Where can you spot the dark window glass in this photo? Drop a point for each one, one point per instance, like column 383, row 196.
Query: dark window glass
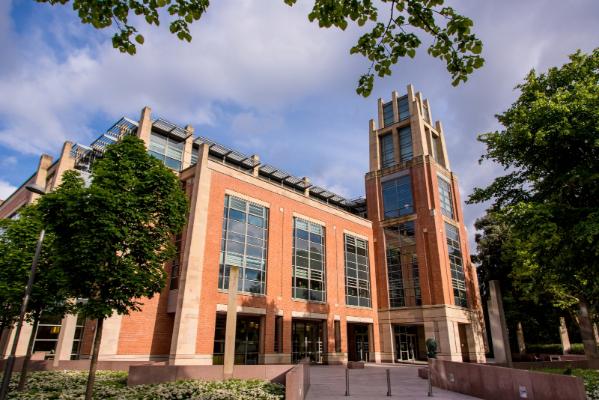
column 405, row 144
column 445, row 197
column 388, row 114
column 337, row 336
column 458, row 281
column 397, row 197
column 357, row 286
column 308, row 280
column 403, row 107
column 244, row 244
column 387, row 152
column 402, row 266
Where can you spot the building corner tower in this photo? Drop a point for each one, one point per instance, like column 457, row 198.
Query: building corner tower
column 427, row 286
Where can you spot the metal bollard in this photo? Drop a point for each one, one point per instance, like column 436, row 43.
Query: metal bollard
column 388, row 383
column 346, row 381
column 430, row 383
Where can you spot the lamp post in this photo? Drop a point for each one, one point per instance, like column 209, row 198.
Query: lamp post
column 10, row 362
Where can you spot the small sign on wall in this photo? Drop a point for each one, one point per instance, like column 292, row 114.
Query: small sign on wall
column 523, row 392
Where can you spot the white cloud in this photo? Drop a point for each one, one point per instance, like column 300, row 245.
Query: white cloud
column 6, row 189
column 253, row 54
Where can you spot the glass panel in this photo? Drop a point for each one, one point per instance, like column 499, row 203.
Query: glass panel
column 405, row 144
column 397, row 197
column 308, row 260
column 445, row 197
column 357, row 290
column 402, row 265
column 388, row 114
column 458, row 280
column 403, row 107
column 387, row 152
column 244, row 244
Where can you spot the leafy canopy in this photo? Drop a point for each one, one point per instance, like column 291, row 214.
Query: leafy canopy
column 396, row 27
column 113, row 237
column 549, row 194
column 18, row 240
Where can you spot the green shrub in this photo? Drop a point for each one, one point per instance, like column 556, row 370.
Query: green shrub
column 577, row 348
column 70, row 385
column 589, row 376
column 544, row 349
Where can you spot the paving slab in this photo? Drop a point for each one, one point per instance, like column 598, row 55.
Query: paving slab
column 328, row 382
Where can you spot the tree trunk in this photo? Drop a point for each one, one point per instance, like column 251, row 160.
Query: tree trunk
column 93, row 365
column 24, row 368
column 586, row 331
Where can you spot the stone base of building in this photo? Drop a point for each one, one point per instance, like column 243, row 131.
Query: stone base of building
column 458, row 332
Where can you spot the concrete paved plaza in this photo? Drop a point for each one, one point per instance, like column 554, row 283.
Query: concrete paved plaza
column 328, row 382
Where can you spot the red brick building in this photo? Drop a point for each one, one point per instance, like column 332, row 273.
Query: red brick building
column 320, row 276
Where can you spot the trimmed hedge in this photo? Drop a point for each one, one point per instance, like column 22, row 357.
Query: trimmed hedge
column 544, row 349
column 70, row 385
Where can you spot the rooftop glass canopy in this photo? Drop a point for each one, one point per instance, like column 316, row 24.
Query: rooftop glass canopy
column 84, row 155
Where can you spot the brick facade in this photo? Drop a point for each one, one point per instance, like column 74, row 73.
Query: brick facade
column 180, row 324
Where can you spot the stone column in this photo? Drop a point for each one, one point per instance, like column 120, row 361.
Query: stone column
column 563, row 335
column 144, row 128
column 185, row 328
column 231, row 326
column 520, row 336
column 596, row 333
column 111, row 332
column 448, row 340
column 501, row 343
column 64, row 345
column 65, row 163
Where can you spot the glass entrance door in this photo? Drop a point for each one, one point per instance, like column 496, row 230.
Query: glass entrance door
column 308, row 341
column 358, row 343
column 406, row 343
column 247, row 340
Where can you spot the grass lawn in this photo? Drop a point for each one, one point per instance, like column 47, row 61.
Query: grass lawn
column 70, row 385
column 590, row 377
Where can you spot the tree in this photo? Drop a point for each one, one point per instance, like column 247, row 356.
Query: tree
column 49, row 293
column 549, row 195
column 390, row 38
column 113, row 237
column 496, row 259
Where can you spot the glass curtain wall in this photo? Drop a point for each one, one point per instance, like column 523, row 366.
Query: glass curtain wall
column 397, row 197
column 402, row 266
column 456, row 264
column 308, row 260
column 357, row 272
column 244, row 244
column 167, row 150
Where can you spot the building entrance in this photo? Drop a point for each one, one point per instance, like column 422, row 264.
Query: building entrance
column 406, row 343
column 464, row 342
column 358, row 342
column 308, row 340
column 247, row 339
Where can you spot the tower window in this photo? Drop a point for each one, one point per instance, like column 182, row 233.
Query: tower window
column 402, row 265
column 403, row 107
column 387, row 151
column 445, row 198
column 397, row 197
column 405, row 144
column 458, row 281
column 388, row 114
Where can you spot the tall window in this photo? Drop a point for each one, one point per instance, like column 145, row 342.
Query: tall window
column 397, row 197
column 167, row 150
column 244, row 244
column 194, row 155
column 445, row 197
column 457, row 267
column 388, row 113
column 402, row 266
column 387, row 156
column 357, row 272
column 405, row 144
column 308, row 260
column 404, row 108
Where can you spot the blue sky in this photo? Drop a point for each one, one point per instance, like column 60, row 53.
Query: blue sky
column 262, row 79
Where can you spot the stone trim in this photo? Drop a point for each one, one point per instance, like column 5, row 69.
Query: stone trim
column 301, row 314
column 247, row 198
column 242, row 309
